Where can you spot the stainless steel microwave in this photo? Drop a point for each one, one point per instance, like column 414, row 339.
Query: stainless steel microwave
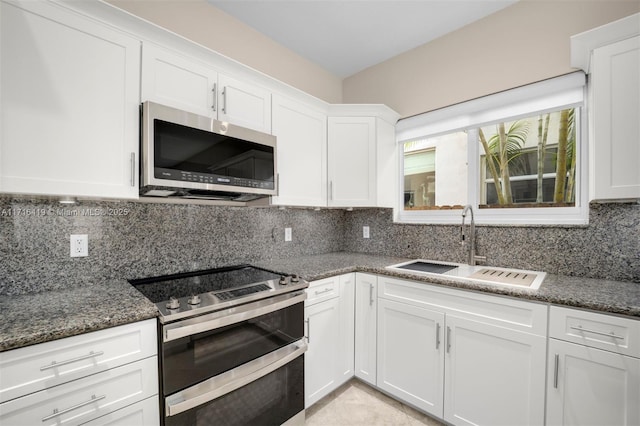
column 191, row 156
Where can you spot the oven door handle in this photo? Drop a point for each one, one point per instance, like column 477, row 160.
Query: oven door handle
column 230, row 316
column 231, row 380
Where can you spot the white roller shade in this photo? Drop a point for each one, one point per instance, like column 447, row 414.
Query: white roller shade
column 565, row 91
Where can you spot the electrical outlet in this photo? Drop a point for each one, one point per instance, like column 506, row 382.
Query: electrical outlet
column 287, row 234
column 365, row 232
column 79, row 245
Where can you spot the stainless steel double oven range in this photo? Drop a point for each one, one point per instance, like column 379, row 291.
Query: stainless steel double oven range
column 231, row 346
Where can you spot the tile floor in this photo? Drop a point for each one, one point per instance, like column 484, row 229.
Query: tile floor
column 355, row 403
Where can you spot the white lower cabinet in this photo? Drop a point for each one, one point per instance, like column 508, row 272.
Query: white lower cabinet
column 493, row 375
column 593, row 369
column 366, row 303
column 329, row 331
column 589, row 386
column 467, row 358
column 103, row 377
column 346, row 327
column 410, row 355
column 84, row 399
column 143, row 413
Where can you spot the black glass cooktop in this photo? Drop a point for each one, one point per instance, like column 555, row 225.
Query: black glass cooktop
column 159, row 289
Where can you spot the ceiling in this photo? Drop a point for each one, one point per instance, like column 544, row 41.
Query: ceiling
column 345, row 37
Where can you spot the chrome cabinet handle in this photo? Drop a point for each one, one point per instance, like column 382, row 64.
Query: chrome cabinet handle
column 555, row 371
column 448, row 339
column 326, row 290
column 57, row 412
column 370, row 294
column 437, row 335
column 133, row 169
column 330, row 190
column 214, row 105
column 54, row 364
column 599, row 333
column 308, row 321
column 224, row 100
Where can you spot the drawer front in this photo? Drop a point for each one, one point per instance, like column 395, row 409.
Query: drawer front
column 608, row 332
column 34, row 368
column 84, row 399
column 321, row 290
column 143, row 413
column 505, row 312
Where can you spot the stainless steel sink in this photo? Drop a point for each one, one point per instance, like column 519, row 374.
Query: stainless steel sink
column 475, row 273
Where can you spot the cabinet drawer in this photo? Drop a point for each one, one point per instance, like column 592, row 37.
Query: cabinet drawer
column 528, row 317
column 608, row 332
column 143, row 413
column 34, row 368
column 84, row 399
column 321, row 290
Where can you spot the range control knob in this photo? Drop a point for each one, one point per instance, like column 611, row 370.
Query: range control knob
column 194, row 300
column 295, row 278
column 173, row 303
column 283, row 280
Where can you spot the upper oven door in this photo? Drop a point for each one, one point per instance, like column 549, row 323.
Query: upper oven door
column 185, row 150
column 200, row 348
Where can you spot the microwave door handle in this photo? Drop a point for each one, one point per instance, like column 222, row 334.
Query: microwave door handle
column 231, row 316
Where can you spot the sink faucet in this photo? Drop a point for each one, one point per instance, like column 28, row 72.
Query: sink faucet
column 473, row 258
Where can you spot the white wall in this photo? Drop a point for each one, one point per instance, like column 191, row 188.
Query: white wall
column 204, row 24
column 521, row 44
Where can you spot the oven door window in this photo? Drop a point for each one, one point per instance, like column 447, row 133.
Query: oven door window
column 269, row 400
column 192, row 359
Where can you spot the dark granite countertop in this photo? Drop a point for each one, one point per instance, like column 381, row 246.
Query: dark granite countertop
column 40, row 317
column 615, row 297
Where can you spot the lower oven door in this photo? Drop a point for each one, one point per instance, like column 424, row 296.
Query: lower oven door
column 197, row 349
column 266, row 391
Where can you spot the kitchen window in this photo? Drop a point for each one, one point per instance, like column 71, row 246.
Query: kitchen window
column 517, row 157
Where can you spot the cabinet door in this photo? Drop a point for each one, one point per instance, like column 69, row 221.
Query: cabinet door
column 174, row 80
column 302, row 153
column 244, row 104
column 494, row 376
column 346, row 327
column 615, row 152
column 69, row 104
column 410, row 354
column 84, row 399
column 352, row 161
column 321, row 360
column 588, row 386
column 143, row 413
column 366, row 327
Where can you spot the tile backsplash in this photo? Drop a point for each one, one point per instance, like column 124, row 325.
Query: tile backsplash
column 134, row 240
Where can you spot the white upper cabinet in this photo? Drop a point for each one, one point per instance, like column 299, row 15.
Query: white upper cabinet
column 186, row 83
column 173, row 80
column 244, row 104
column 352, row 161
column 615, row 153
column 68, row 105
column 362, row 156
column 611, row 55
column 301, row 133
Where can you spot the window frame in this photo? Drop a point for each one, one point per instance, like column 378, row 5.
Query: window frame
column 568, row 91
